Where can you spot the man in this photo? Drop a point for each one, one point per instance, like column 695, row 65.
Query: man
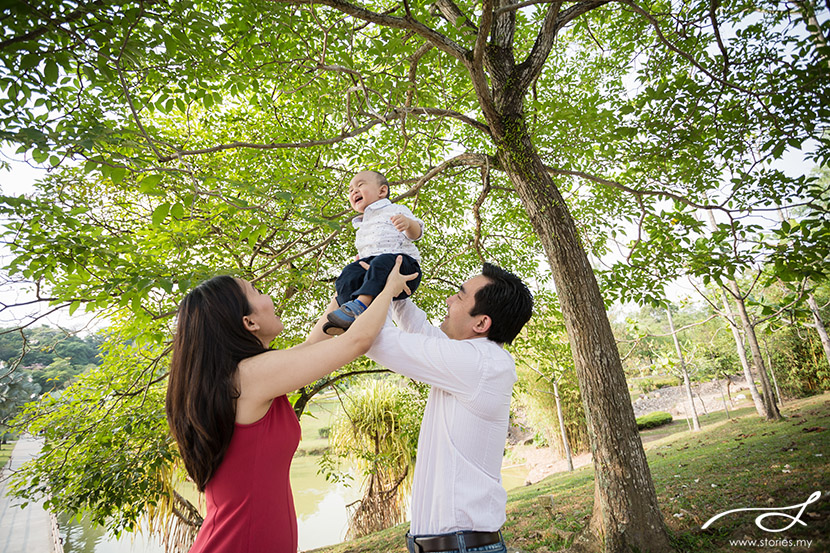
column 458, row 502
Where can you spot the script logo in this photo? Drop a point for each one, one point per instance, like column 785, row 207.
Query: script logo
column 774, row 512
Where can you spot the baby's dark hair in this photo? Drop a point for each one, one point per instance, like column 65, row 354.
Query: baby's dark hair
column 381, row 181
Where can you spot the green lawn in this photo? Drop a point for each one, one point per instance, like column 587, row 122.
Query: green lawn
column 6, row 452
column 742, row 462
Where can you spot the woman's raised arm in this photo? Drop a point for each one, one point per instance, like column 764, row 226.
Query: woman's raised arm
column 275, row 373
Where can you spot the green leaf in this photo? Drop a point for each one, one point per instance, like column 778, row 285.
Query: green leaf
column 177, row 211
column 117, row 174
column 50, row 72
column 160, row 214
column 149, row 184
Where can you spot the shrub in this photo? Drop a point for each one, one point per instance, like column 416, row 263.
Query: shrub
column 652, row 383
column 653, row 420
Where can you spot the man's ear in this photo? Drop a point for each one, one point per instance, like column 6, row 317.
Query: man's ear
column 482, row 326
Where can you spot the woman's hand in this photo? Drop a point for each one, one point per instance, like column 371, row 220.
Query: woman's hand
column 396, row 282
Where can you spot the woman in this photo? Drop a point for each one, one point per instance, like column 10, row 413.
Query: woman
column 227, row 406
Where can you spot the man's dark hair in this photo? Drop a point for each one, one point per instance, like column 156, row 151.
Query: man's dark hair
column 506, row 300
column 382, row 181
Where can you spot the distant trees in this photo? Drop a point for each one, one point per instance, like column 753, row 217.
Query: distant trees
column 50, row 356
column 790, row 344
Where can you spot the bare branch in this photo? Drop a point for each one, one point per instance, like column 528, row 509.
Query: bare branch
column 452, row 14
column 475, row 65
column 485, row 190
column 469, row 159
column 413, row 71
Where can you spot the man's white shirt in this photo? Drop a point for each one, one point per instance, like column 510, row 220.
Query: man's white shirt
column 376, row 234
column 457, row 481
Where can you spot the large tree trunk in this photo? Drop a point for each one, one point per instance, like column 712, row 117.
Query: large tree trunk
column 820, row 328
column 772, row 412
column 686, row 382
column 626, row 515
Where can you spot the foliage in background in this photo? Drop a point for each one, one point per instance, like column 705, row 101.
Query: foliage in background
column 193, row 138
column 377, row 433
column 16, row 389
column 542, row 354
column 107, row 451
column 52, row 357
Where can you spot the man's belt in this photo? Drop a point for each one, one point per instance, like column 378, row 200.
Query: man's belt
column 449, row 542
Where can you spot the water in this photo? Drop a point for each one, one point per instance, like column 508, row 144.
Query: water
column 81, row 536
column 322, row 518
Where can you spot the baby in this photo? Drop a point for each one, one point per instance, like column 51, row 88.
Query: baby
column 384, row 231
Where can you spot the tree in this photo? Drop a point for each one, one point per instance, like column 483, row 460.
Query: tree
column 378, row 431
column 16, row 389
column 175, row 108
column 685, row 374
column 547, row 386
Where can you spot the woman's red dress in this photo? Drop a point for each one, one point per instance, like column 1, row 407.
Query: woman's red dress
column 250, row 508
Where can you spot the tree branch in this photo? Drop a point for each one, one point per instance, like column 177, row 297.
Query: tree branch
column 531, row 67
column 52, row 23
column 451, row 13
column 440, row 41
column 396, row 113
column 475, row 64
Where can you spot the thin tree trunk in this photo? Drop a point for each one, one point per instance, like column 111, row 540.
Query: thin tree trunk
column 565, row 446
column 820, row 328
column 729, row 315
column 741, row 349
column 772, row 412
column 702, row 403
column 723, row 397
column 626, row 515
column 686, row 382
column 772, row 373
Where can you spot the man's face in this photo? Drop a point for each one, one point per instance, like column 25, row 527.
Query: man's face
column 459, row 324
column 364, row 190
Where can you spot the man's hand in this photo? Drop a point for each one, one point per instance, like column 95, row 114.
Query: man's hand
column 409, row 227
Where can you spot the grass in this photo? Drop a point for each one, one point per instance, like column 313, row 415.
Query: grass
column 6, row 452
column 742, row 462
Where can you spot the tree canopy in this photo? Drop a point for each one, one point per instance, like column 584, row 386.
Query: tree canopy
column 192, row 138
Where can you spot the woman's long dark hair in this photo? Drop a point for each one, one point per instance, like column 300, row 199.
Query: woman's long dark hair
column 210, row 341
